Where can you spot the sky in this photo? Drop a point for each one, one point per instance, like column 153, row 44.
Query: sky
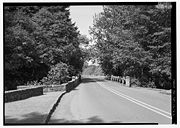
column 83, row 16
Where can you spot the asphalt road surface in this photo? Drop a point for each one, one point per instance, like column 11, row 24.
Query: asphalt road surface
column 97, row 100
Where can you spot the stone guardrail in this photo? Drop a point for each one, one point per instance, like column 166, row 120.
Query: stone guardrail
column 21, row 94
column 26, row 92
column 126, row 81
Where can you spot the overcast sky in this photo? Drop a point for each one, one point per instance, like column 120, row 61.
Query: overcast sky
column 83, row 16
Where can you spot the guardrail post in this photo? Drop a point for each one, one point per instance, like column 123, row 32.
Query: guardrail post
column 128, row 81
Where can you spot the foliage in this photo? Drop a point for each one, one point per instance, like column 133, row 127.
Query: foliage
column 36, row 39
column 57, row 75
column 135, row 41
column 93, row 70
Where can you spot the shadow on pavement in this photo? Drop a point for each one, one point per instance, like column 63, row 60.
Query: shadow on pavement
column 89, row 80
column 30, row 118
column 91, row 120
column 94, row 119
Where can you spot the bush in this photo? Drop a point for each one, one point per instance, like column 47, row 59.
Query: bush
column 57, row 75
column 33, row 83
column 151, row 84
column 108, row 77
column 144, row 81
column 135, row 82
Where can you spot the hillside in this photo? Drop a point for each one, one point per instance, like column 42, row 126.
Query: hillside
column 93, row 70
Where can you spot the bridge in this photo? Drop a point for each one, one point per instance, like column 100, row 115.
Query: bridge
column 94, row 100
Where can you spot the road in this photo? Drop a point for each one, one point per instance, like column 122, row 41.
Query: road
column 97, row 100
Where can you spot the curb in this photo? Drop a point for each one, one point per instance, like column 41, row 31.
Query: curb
column 59, row 99
column 53, row 108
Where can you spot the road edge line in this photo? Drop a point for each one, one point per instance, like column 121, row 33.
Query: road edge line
column 140, row 104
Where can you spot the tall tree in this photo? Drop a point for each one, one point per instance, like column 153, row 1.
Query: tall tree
column 36, row 38
column 135, row 41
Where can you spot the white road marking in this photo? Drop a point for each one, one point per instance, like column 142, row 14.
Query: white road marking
column 145, row 105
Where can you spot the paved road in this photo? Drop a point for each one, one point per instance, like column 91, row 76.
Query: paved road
column 99, row 101
column 33, row 110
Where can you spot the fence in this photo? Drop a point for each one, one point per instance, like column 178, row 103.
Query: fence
column 126, row 81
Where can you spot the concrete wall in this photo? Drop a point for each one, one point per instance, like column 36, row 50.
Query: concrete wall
column 72, row 84
column 24, row 92
column 54, row 88
column 20, row 94
column 63, row 87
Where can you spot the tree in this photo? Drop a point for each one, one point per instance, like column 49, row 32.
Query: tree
column 135, row 41
column 20, row 52
column 36, row 39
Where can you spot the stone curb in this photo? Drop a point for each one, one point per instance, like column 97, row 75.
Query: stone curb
column 70, row 87
column 53, row 108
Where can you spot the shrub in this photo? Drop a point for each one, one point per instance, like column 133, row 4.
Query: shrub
column 57, row 75
column 151, row 84
column 33, row 83
column 144, row 81
column 135, row 82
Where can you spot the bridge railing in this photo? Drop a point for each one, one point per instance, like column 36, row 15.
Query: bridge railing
column 126, row 81
column 25, row 92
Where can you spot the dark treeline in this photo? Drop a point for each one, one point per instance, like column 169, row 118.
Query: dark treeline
column 135, row 40
column 41, row 44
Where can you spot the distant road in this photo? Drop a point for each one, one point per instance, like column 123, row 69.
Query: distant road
column 97, row 100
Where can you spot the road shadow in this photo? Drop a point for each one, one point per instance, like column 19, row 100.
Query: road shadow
column 26, row 119
column 95, row 119
column 90, row 80
column 91, row 120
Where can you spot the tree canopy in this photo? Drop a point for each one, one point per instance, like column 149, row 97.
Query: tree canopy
column 36, row 39
column 135, row 40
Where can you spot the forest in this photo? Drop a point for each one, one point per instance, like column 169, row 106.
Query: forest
column 41, row 46
column 135, row 41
